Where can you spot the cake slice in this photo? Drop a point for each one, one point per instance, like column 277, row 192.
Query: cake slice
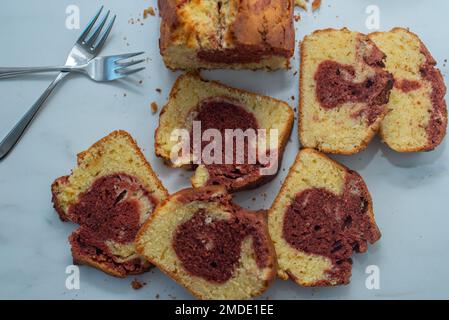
column 344, row 91
column 110, row 194
column 322, row 214
column 198, row 107
column 211, row 34
column 211, row 246
column 418, row 117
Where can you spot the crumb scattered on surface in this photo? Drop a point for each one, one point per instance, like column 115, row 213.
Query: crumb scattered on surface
column 297, row 17
column 301, row 4
column 124, row 94
column 136, row 284
column 295, row 73
column 157, row 296
column 292, row 97
column 316, row 4
column 154, row 107
column 148, row 11
column 158, row 90
column 140, row 81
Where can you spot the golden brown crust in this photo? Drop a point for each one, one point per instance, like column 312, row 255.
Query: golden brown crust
column 370, row 131
column 187, row 193
column 243, row 33
column 276, row 19
column 284, row 190
column 55, row 199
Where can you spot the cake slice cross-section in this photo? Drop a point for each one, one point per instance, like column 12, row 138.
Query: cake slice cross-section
column 208, row 244
column 321, row 216
column 250, row 133
column 344, row 91
column 237, row 34
column 418, row 117
column 110, row 194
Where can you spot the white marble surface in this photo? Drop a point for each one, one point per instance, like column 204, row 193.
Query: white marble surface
column 410, row 191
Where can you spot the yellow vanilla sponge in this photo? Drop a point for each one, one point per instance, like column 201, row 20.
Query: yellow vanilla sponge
column 210, row 34
column 418, row 117
column 214, row 248
column 214, row 106
column 344, row 90
column 322, row 214
column 110, row 194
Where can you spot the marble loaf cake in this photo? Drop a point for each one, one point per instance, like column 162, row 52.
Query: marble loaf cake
column 214, row 248
column 110, row 194
column 198, row 108
column 344, row 91
column 418, row 117
column 322, row 214
column 238, row 34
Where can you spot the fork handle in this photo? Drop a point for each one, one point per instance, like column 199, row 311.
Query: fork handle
column 10, row 140
column 12, row 72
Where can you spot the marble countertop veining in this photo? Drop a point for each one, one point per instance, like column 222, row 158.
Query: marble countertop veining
column 410, row 191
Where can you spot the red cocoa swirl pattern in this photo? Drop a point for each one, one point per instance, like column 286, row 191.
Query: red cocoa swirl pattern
column 109, row 210
column 335, row 86
column 221, row 114
column 436, row 129
column 240, row 54
column 211, row 249
column 322, row 223
column 407, row 86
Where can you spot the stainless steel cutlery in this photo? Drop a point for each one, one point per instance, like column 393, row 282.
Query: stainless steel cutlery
column 81, row 59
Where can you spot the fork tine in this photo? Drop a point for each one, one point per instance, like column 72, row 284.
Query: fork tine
column 124, row 73
column 100, row 43
column 128, row 64
column 124, row 56
column 86, row 31
column 97, row 31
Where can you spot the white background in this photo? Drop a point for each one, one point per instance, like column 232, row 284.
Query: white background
column 410, row 191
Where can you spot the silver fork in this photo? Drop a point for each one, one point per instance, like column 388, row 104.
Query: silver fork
column 85, row 49
column 106, row 68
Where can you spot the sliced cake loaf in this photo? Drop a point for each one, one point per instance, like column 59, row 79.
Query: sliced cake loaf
column 214, row 248
column 110, row 194
column 344, row 90
column 322, row 214
column 238, row 34
column 214, row 106
column 418, row 117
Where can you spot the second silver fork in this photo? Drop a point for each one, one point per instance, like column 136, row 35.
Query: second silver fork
column 85, row 49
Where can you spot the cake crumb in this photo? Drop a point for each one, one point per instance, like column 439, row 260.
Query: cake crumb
column 154, row 107
column 301, row 4
column 316, row 4
column 297, row 17
column 158, row 90
column 136, row 284
column 148, row 11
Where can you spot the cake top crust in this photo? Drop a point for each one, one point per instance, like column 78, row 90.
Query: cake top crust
column 225, row 24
